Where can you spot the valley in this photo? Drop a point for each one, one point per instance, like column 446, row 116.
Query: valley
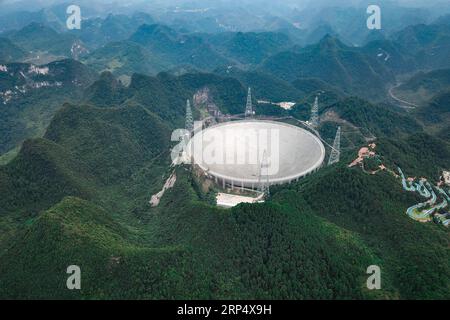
column 92, row 118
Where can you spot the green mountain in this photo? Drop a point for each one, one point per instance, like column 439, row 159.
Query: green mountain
column 264, row 86
column 80, row 196
column 346, row 19
column 296, row 246
column 391, row 55
column 86, row 140
column 63, row 164
column 423, row 86
column 186, row 248
column 209, row 265
column 436, row 114
column 42, row 43
column 9, row 52
column 126, row 58
column 314, row 85
column 373, row 206
column 315, row 35
column 378, row 119
column 157, row 94
column 155, row 48
column 347, row 68
column 106, row 91
column 250, row 47
column 430, row 91
column 99, row 31
column 41, row 175
column 20, row 19
column 30, row 95
column 71, row 221
column 137, row 134
column 176, row 48
column 360, row 120
column 139, row 120
column 421, row 154
column 427, row 44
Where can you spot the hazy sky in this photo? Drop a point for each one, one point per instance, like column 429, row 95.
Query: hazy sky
column 181, row 2
column 33, row 5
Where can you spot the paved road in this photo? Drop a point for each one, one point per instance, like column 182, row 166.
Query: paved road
column 408, row 105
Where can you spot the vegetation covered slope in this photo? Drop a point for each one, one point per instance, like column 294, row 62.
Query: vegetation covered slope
column 9, row 52
column 31, row 95
column 38, row 37
column 308, row 241
column 41, row 175
column 126, row 58
column 76, row 232
column 348, row 68
column 85, row 149
column 423, row 86
column 157, row 94
column 427, row 44
column 414, row 256
column 380, row 120
column 249, row 48
column 176, row 48
column 420, row 154
column 80, row 195
column 264, row 251
column 132, row 136
column 297, row 246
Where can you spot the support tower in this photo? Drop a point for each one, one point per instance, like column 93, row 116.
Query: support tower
column 336, row 151
column 189, row 118
column 249, row 107
column 315, row 114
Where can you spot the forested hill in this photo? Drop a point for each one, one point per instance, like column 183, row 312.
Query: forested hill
column 89, row 181
column 85, row 144
column 332, row 61
column 30, row 95
column 374, row 208
column 306, row 243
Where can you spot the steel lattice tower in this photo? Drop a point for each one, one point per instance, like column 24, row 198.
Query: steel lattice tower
column 336, row 151
column 249, row 107
column 263, row 178
column 189, row 118
column 315, row 114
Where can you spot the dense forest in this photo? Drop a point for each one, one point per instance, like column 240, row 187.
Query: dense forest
column 80, row 196
column 86, row 123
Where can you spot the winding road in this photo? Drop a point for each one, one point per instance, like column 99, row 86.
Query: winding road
column 406, row 104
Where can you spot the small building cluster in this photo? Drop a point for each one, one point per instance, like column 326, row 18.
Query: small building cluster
column 446, row 177
column 363, row 153
column 442, row 218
